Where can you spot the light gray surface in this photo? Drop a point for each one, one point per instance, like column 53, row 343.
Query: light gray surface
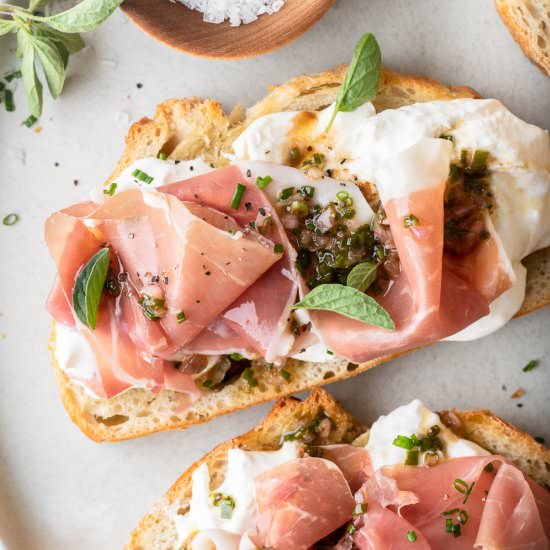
column 60, row 491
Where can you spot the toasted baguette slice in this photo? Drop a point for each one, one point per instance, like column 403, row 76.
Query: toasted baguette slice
column 187, row 128
column 157, row 531
column 529, row 23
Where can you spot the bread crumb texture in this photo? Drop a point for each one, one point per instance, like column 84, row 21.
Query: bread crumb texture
column 529, row 23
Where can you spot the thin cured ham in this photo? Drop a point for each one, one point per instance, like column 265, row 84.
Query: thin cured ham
column 429, row 300
column 300, row 502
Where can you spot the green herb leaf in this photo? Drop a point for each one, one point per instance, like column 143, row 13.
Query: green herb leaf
column 10, row 219
column 362, row 78
column 533, row 364
column 362, row 275
column 53, row 64
column 7, row 26
column 88, row 288
column 72, row 42
column 84, row 17
column 33, row 86
column 349, row 302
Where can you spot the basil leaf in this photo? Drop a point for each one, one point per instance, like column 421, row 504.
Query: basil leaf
column 7, row 26
column 362, row 78
column 349, row 302
column 84, row 17
column 52, row 64
column 33, row 86
column 88, row 288
column 362, row 275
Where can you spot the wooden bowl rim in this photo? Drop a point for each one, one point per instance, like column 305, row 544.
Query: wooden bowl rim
column 145, row 20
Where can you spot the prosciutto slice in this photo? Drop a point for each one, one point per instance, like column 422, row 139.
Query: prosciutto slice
column 259, row 316
column 503, row 509
column 429, row 300
column 300, row 502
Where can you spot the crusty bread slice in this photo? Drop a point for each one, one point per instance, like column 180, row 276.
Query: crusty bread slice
column 157, row 531
column 187, row 128
column 529, row 23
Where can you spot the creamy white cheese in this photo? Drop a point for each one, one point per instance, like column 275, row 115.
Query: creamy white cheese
column 163, row 172
column 239, row 484
column 371, row 145
column 407, row 420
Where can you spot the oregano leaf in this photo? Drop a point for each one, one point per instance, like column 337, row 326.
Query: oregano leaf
column 84, row 17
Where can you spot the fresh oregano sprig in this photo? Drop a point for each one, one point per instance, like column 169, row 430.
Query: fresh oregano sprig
column 46, row 42
column 362, row 78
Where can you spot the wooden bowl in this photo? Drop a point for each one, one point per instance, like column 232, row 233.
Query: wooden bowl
column 184, row 29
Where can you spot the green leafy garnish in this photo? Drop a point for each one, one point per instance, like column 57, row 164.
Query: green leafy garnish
column 226, row 504
column 88, row 288
column 362, row 275
column 533, row 364
column 111, row 189
column 11, row 219
column 349, row 302
column 362, row 78
column 48, row 41
column 263, row 182
column 411, row 536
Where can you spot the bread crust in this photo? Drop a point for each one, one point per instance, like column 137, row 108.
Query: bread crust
column 186, row 128
column 482, row 427
column 534, row 42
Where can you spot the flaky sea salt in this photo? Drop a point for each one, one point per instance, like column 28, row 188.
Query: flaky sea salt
column 236, row 11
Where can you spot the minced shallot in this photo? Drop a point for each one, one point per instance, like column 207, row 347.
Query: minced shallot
column 236, row 11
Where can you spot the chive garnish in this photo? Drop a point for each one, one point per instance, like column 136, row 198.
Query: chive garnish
column 208, row 383
column 410, row 220
column 462, row 487
column 226, row 504
column 285, row 374
column 180, row 316
column 411, row 536
column 278, row 248
column 294, row 154
column 237, row 196
column 489, row 468
column 360, row 508
column 286, row 193
column 30, row 121
column 11, row 219
column 162, row 156
column 412, row 458
column 248, row 376
column 142, row 176
column 307, row 191
column 539, row 439
column 403, row 442
column 449, row 525
column 533, row 364
column 236, row 356
column 261, row 183
column 457, row 530
column 351, row 529
column 111, row 189
column 8, row 101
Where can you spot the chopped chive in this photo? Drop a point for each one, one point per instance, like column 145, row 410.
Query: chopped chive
column 252, row 224
column 285, row 374
column 330, row 352
column 351, row 529
column 237, row 196
column 294, row 154
column 307, row 191
column 8, row 101
column 278, row 248
column 226, row 504
column 360, row 508
column 449, row 525
column 456, row 530
column 111, row 189
column 248, row 375
column 162, row 156
column 11, row 219
column 479, row 161
column 410, row 220
column 463, row 517
column 8, row 77
column 533, row 364
column 539, row 439
column 180, row 316
column 236, row 356
column 261, row 183
column 142, row 176
column 208, row 383
column 30, row 121
column 489, row 468
column 404, row 442
column 267, row 224
column 411, row 536
column 286, row 193
column 462, row 487
column 412, row 458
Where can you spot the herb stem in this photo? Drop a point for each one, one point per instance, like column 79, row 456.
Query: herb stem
column 334, row 113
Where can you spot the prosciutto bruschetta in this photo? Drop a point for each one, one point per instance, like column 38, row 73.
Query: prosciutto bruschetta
column 287, row 253
column 416, row 479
